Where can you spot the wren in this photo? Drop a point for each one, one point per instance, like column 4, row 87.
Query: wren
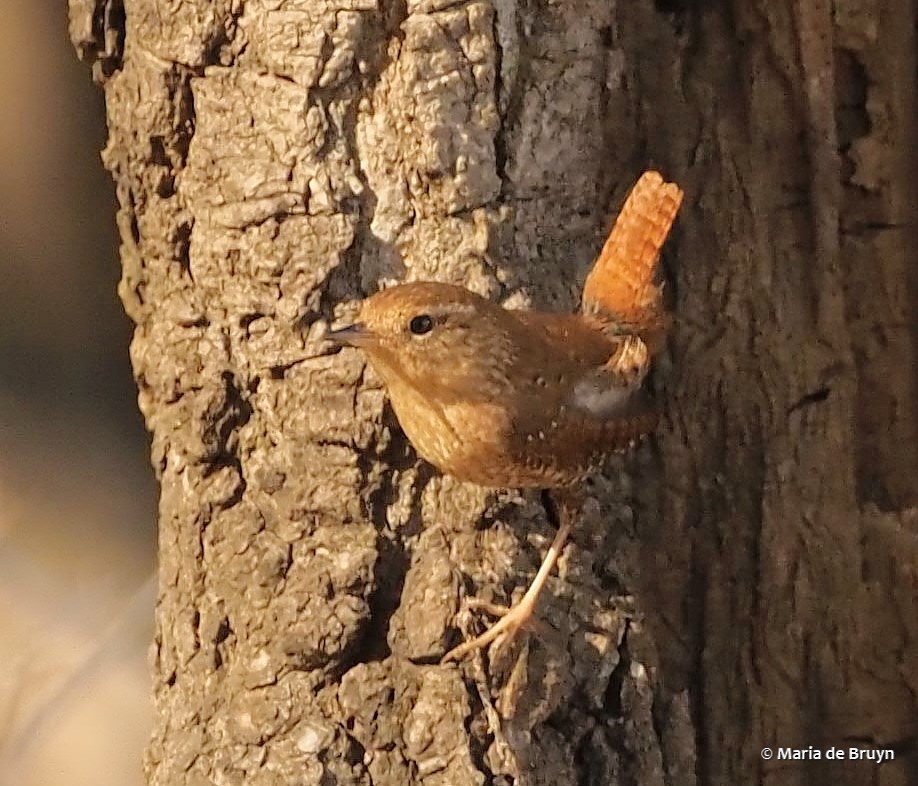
column 527, row 399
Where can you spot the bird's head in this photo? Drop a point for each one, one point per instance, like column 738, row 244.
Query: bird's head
column 439, row 339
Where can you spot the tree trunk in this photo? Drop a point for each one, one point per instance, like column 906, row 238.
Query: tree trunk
column 747, row 581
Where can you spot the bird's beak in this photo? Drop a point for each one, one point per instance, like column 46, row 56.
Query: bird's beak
column 356, row 335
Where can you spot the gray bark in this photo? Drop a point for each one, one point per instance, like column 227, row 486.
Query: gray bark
column 746, row 581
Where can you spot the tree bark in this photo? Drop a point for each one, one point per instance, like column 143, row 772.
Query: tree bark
column 746, row 581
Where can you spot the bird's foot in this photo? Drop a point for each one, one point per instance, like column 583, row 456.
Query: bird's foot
column 511, row 620
column 514, row 618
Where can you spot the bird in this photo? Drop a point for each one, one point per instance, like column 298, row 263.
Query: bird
column 527, row 399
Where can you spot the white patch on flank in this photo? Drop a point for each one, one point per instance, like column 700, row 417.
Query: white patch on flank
column 599, row 400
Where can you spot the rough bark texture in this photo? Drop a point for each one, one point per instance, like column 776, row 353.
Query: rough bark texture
column 747, row 581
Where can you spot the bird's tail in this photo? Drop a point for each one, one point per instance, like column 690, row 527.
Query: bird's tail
column 620, row 290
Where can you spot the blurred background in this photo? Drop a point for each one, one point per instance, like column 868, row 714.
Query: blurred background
column 77, row 497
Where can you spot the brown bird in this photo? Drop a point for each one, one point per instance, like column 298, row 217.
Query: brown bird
column 527, row 399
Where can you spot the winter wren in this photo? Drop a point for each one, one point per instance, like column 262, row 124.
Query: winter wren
column 520, row 398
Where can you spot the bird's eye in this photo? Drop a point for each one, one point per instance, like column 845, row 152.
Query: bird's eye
column 420, row 325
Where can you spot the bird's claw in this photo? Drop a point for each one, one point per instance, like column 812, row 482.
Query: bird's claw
column 511, row 620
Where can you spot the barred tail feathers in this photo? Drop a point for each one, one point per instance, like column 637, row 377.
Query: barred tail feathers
column 621, row 284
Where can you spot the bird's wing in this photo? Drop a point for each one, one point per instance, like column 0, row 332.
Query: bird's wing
column 557, row 452
column 574, row 339
column 586, row 346
column 588, row 405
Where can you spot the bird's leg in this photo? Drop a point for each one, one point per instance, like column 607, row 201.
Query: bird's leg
column 512, row 619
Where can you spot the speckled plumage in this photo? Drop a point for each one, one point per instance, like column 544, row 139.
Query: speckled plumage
column 522, row 398
column 488, row 395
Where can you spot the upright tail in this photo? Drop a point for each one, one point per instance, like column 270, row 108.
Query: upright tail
column 620, row 290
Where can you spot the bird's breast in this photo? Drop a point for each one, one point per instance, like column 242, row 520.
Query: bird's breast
column 463, row 439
